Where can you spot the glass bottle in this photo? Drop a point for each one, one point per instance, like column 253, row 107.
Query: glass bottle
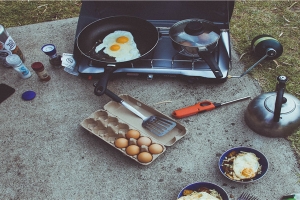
column 9, row 43
column 54, row 59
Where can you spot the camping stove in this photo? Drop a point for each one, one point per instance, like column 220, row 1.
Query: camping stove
column 163, row 59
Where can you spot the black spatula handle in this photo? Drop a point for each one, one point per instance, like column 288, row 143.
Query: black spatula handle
column 113, row 96
column 126, row 105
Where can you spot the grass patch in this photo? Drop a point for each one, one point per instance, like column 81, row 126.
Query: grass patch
column 18, row 13
column 281, row 19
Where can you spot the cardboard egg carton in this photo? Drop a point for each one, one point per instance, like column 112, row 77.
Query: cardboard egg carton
column 114, row 121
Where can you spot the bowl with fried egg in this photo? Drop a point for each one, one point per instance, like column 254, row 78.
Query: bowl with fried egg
column 243, row 164
column 202, row 191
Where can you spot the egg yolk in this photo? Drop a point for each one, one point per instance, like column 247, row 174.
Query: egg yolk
column 122, row 39
column 115, row 47
column 248, row 172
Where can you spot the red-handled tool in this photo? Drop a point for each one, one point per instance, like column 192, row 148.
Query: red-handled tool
column 201, row 107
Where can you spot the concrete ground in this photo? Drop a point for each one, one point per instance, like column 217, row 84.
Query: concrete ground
column 46, row 154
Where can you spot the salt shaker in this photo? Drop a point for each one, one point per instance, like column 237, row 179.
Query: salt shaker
column 9, row 43
column 15, row 61
column 54, row 59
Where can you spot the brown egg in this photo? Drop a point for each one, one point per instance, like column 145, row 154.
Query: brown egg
column 144, row 141
column 144, row 157
column 155, row 148
column 132, row 134
column 133, row 150
column 121, row 143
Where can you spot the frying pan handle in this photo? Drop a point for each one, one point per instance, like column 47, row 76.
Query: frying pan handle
column 101, row 85
column 209, row 59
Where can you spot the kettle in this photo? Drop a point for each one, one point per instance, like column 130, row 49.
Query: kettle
column 274, row 114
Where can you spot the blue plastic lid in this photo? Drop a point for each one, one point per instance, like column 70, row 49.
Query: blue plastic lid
column 28, row 95
column 49, row 49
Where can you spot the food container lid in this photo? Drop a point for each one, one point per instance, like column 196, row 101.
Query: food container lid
column 194, row 32
column 37, row 66
column 49, row 49
column 28, row 95
column 13, row 60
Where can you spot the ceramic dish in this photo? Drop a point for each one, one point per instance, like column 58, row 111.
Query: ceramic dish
column 262, row 160
column 211, row 186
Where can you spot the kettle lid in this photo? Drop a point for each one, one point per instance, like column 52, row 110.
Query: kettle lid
column 288, row 104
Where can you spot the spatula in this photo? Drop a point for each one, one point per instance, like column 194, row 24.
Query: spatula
column 155, row 124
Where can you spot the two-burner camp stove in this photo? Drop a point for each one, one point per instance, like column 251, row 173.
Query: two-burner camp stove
column 164, row 59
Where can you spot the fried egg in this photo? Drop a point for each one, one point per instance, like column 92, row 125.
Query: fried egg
column 246, row 165
column 198, row 196
column 120, row 45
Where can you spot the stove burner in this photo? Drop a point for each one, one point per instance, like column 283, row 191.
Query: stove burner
column 163, row 59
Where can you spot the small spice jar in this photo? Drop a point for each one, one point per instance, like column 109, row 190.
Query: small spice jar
column 40, row 70
column 54, row 59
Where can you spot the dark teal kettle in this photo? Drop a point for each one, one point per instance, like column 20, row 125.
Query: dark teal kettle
column 274, row 114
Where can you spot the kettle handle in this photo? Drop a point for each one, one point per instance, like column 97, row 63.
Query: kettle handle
column 280, row 87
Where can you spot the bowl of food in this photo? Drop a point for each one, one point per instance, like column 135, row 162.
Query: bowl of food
column 201, row 191
column 243, row 164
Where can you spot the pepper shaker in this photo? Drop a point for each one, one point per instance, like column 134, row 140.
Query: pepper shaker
column 54, row 59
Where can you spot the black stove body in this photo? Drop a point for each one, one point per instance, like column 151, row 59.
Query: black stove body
column 163, row 59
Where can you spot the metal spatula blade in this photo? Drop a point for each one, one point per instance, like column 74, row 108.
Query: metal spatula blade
column 158, row 125
column 155, row 124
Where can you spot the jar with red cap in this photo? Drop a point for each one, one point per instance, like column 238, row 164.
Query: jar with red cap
column 40, row 70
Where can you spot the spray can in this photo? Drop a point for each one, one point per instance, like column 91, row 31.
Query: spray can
column 9, row 43
column 15, row 61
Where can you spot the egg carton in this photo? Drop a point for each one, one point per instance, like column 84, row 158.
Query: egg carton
column 114, row 121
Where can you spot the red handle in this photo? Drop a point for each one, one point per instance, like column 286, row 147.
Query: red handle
column 192, row 110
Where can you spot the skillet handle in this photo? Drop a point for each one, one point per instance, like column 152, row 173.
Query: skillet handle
column 209, row 59
column 101, row 85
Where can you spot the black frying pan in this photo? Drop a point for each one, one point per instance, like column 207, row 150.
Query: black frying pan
column 145, row 36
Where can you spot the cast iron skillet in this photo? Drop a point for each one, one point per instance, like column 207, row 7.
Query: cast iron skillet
column 145, row 36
